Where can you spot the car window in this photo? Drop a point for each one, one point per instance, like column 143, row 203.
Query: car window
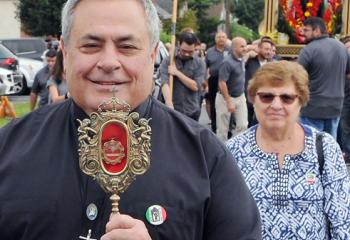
column 5, row 53
column 11, row 45
column 25, row 45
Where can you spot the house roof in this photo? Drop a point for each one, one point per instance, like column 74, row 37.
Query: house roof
column 216, row 10
column 164, row 8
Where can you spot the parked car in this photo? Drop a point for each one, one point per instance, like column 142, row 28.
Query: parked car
column 9, row 61
column 29, row 67
column 26, row 47
column 9, row 82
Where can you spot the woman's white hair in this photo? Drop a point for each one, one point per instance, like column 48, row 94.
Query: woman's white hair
column 153, row 21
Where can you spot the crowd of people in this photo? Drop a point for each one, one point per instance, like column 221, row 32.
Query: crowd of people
column 231, row 64
column 287, row 119
column 270, row 167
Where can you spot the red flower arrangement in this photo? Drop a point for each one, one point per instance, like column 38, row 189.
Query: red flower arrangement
column 295, row 15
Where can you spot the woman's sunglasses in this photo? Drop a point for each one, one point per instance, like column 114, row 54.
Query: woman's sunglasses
column 269, row 97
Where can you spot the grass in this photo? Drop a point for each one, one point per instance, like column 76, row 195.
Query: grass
column 20, row 109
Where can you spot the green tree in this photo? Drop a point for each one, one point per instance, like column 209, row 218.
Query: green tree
column 40, row 17
column 206, row 26
column 248, row 12
column 164, row 37
column 188, row 20
column 239, row 30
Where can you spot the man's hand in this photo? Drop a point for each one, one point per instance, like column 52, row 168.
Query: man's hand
column 205, row 86
column 230, row 106
column 169, row 104
column 172, row 70
column 124, row 227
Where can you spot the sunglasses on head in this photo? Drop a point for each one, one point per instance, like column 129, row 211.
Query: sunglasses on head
column 269, row 97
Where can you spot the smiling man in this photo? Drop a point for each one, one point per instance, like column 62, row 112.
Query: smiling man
column 192, row 190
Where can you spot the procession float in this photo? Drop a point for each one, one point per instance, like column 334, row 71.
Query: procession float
column 283, row 21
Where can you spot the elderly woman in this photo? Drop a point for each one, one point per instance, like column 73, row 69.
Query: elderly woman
column 279, row 160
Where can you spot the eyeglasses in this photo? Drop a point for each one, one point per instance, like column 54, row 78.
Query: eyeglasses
column 269, row 97
column 186, row 52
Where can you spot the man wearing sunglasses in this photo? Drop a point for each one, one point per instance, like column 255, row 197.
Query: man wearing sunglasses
column 188, row 72
column 325, row 60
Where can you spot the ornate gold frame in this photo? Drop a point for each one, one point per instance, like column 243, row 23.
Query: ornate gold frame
column 268, row 26
column 91, row 150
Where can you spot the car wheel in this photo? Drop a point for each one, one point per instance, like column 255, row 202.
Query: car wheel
column 24, row 90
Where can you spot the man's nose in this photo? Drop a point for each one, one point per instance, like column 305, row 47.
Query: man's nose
column 109, row 60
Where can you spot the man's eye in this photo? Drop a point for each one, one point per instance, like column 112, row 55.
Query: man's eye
column 127, row 49
column 89, row 47
column 127, row 46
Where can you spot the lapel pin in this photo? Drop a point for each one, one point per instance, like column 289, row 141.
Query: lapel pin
column 156, row 215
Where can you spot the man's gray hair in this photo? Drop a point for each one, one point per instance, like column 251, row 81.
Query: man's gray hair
column 153, row 21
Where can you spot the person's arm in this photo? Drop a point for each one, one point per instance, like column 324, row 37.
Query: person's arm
column 304, row 58
column 348, row 68
column 224, row 74
column 206, row 80
column 336, row 185
column 164, row 82
column 33, row 98
column 122, row 226
column 226, row 95
column 166, row 94
column 188, row 82
column 200, row 74
column 34, row 92
column 232, row 211
column 55, row 97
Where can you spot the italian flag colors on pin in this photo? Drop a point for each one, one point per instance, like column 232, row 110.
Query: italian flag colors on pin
column 156, row 215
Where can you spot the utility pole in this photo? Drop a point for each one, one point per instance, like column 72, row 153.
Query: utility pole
column 228, row 18
column 172, row 49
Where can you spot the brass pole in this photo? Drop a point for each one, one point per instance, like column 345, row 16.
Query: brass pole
column 115, row 203
column 268, row 24
column 173, row 41
column 346, row 18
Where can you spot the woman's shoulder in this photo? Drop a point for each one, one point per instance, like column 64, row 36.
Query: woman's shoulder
column 242, row 139
column 50, row 81
column 314, row 133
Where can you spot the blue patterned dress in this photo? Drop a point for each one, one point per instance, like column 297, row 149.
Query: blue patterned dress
column 297, row 202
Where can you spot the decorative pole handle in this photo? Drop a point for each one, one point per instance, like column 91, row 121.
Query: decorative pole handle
column 115, row 203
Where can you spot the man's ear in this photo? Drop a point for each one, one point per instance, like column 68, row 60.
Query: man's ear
column 318, row 31
column 64, row 52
